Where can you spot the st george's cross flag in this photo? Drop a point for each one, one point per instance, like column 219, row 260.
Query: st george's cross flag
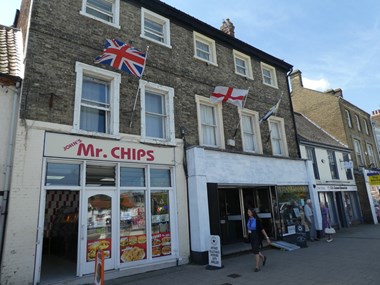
column 123, row 56
column 228, row 94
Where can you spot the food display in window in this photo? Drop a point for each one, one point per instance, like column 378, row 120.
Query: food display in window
column 94, row 246
column 161, row 244
column 166, row 250
column 132, row 254
column 132, row 248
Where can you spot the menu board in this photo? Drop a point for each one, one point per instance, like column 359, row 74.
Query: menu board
column 100, row 244
column 161, row 244
column 132, row 248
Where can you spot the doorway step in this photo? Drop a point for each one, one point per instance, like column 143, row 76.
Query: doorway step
column 284, row 245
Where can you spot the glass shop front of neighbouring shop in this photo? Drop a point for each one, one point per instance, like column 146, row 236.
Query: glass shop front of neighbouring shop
column 105, row 195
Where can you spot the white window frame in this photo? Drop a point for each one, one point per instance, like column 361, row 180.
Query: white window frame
column 273, row 76
column 115, row 13
column 359, row 153
column 210, row 43
column 283, row 143
column 254, row 118
column 371, row 154
column 168, row 94
column 366, row 126
column 114, row 79
column 219, row 131
column 248, row 65
column 358, row 123
column 348, row 118
column 162, row 21
column 333, row 164
column 311, row 155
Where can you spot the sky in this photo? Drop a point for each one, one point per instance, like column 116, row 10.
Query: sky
column 334, row 43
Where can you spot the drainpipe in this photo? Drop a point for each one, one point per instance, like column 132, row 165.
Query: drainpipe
column 291, row 109
column 185, row 167
column 9, row 163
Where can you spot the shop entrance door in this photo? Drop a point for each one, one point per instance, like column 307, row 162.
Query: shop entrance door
column 233, row 204
column 98, row 229
column 231, row 215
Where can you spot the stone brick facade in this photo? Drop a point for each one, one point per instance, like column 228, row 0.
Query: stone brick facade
column 59, row 36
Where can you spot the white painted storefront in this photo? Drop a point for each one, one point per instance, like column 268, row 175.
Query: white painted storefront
column 225, row 168
column 39, row 144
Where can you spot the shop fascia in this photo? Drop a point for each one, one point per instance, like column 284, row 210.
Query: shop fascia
column 76, row 147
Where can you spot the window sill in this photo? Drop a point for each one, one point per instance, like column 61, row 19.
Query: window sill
column 270, row 85
column 206, row 61
column 158, row 141
column 157, row 42
column 245, row 76
column 95, row 134
column 115, row 25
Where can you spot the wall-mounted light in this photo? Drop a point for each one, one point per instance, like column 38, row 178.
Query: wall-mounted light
column 182, row 131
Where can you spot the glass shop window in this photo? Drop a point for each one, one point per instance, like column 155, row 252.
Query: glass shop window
column 62, row 174
column 291, row 201
column 132, row 226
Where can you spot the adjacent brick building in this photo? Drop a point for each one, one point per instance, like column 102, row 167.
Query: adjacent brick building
column 145, row 169
column 332, row 167
column 348, row 124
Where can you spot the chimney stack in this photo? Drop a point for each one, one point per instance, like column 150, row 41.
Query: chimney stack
column 228, row 28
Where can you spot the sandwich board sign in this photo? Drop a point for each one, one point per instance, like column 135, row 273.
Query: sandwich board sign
column 215, row 253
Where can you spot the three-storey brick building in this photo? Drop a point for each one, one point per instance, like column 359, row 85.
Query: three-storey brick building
column 351, row 126
column 144, row 169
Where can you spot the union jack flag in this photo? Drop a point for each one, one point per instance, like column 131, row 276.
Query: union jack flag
column 123, row 56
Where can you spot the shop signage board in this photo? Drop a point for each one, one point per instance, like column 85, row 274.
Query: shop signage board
column 81, row 147
column 374, row 180
column 215, row 253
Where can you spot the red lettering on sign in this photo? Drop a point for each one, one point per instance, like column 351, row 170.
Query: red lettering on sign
column 150, row 155
column 116, row 152
column 140, row 154
column 86, row 151
column 70, row 145
column 113, row 152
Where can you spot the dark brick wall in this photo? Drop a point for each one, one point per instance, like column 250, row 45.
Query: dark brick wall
column 363, row 198
column 60, row 36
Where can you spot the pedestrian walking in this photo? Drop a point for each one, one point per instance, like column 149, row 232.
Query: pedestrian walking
column 255, row 229
column 325, row 221
column 309, row 218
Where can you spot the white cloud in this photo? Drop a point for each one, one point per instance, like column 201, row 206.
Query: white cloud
column 316, row 84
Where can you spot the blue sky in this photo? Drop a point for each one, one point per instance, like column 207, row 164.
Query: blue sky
column 335, row 44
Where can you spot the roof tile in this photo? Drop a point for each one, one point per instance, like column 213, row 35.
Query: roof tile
column 11, row 52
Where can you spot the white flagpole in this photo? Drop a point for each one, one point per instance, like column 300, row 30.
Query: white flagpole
column 138, row 89
column 245, row 99
column 278, row 103
column 243, row 105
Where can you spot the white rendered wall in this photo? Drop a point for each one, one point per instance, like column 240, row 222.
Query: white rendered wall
column 207, row 166
column 19, row 255
column 324, row 167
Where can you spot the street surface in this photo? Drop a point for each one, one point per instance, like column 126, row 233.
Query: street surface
column 353, row 257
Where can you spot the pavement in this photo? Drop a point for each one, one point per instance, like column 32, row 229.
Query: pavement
column 351, row 258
